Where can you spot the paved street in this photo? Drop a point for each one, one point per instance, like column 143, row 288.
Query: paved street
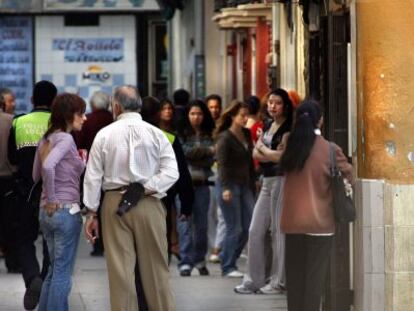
column 90, row 289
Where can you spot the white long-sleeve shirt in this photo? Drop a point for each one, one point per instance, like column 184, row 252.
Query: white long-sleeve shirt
column 129, row 150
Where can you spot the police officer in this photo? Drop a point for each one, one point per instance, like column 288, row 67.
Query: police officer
column 25, row 134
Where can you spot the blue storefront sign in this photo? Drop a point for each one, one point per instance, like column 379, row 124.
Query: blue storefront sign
column 16, row 59
column 86, row 50
column 138, row 5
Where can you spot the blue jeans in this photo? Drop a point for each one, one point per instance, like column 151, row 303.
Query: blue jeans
column 237, row 215
column 61, row 232
column 192, row 234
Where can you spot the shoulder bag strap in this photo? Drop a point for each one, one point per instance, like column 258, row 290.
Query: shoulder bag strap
column 333, row 166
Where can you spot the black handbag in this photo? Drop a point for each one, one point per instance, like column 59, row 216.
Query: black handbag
column 133, row 193
column 343, row 205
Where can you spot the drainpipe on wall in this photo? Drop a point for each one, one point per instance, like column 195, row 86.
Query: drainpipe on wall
column 275, row 44
column 253, row 65
column 174, row 52
column 239, row 66
column 199, row 61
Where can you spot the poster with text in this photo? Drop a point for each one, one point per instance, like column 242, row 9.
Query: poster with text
column 16, row 59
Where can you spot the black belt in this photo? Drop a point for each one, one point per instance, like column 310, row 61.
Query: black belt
column 203, row 183
column 123, row 188
column 272, row 174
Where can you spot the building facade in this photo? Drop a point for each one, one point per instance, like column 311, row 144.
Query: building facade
column 82, row 46
column 354, row 57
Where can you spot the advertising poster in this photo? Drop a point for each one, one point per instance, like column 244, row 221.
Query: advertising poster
column 16, row 59
column 84, row 50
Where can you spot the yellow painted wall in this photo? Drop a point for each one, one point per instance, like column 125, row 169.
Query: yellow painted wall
column 385, row 80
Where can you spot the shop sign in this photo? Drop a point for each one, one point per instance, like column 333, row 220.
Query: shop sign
column 20, row 6
column 135, row 5
column 86, row 50
column 96, row 74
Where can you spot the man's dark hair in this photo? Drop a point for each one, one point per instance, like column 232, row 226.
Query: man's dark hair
column 150, row 110
column 181, row 97
column 254, row 104
column 4, row 91
column 44, row 92
column 213, row 97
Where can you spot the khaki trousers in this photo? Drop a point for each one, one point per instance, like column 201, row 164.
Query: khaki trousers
column 140, row 234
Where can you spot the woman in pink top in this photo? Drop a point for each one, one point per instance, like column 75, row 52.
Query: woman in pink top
column 307, row 214
column 59, row 165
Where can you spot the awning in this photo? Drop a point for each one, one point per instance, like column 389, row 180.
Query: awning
column 243, row 16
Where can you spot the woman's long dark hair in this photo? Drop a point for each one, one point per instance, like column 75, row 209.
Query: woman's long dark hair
column 302, row 137
column 287, row 104
column 206, row 127
column 168, row 102
column 64, row 107
column 226, row 119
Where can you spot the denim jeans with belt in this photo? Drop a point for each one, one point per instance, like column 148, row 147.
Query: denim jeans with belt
column 237, row 214
column 192, row 233
column 61, row 231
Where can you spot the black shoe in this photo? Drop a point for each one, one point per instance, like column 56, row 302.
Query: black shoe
column 96, row 253
column 185, row 272
column 177, row 255
column 203, row 271
column 14, row 270
column 32, row 294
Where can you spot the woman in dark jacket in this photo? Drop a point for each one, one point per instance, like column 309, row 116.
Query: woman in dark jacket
column 196, row 138
column 235, row 184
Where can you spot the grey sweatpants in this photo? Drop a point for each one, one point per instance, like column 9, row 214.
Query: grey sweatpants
column 265, row 221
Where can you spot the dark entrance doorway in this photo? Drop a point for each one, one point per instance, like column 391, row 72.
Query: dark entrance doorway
column 328, row 84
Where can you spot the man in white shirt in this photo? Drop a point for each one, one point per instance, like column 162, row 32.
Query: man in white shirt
column 126, row 151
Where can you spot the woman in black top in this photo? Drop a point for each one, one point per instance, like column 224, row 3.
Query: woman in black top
column 235, row 184
column 266, row 215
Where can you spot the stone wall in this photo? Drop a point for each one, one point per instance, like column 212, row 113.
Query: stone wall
column 384, row 247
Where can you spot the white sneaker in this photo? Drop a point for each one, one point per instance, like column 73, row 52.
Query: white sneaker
column 268, row 290
column 214, row 258
column 234, row 274
column 241, row 289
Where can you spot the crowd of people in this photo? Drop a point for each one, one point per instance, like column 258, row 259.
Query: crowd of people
column 154, row 178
